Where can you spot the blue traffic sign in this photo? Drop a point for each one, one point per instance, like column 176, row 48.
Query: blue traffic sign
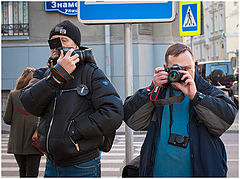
column 189, row 14
column 125, row 12
column 189, row 18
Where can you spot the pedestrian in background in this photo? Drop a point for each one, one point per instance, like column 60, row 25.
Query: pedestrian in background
column 22, row 128
column 185, row 117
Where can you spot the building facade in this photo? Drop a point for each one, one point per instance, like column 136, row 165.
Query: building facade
column 220, row 40
column 25, row 31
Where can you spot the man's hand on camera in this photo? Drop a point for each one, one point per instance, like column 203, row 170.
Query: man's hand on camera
column 68, row 62
column 160, row 77
column 188, row 87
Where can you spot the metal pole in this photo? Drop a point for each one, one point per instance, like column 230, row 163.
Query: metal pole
column 128, row 66
column 192, row 43
column 107, row 52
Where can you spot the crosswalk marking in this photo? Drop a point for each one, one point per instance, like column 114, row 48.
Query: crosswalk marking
column 112, row 162
column 43, row 168
column 44, row 161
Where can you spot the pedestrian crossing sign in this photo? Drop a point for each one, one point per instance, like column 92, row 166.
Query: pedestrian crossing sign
column 189, row 18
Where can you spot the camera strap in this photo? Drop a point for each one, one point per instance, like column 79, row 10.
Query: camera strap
column 166, row 101
column 171, row 111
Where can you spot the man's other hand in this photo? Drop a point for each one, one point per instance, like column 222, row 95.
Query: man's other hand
column 188, row 87
column 68, row 62
column 160, row 77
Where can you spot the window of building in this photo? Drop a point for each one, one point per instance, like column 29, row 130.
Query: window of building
column 206, row 52
column 211, row 23
column 216, row 23
column 206, row 5
column 221, row 22
column 217, row 49
column 15, row 18
column 212, row 50
column 196, row 53
column 206, row 30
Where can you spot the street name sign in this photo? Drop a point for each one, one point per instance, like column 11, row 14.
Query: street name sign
column 108, row 12
column 189, row 18
column 64, row 7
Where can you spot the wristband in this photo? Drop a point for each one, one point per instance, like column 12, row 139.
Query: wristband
column 51, row 81
column 198, row 98
column 60, row 73
column 57, row 75
column 63, row 72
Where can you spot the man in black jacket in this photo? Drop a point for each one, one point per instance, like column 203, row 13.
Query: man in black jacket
column 71, row 129
column 185, row 117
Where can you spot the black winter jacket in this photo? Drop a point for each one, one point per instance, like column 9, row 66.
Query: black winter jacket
column 63, row 110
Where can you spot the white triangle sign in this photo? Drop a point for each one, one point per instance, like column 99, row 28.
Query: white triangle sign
column 189, row 19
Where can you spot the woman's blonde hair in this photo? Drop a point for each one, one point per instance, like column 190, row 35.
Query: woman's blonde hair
column 24, row 78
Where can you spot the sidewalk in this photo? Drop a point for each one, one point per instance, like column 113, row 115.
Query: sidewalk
column 235, row 126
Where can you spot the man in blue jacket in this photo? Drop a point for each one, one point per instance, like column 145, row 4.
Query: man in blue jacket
column 185, row 116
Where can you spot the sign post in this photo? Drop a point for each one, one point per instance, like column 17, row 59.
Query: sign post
column 128, row 70
column 127, row 13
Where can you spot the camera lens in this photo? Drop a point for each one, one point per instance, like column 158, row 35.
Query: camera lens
column 180, row 139
column 174, row 76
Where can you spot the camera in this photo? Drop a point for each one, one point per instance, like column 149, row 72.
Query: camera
column 178, row 140
column 84, row 53
column 173, row 73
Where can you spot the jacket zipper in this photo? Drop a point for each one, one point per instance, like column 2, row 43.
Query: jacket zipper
column 54, row 107
column 50, row 126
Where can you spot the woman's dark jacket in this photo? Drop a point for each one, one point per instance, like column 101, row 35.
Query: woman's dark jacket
column 209, row 119
column 66, row 118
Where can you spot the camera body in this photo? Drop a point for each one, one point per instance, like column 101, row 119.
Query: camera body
column 84, row 53
column 178, row 140
column 173, row 73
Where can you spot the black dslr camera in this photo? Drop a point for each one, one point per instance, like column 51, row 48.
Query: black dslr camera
column 178, row 140
column 85, row 54
column 173, row 73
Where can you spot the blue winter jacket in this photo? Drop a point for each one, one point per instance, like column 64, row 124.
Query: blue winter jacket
column 209, row 119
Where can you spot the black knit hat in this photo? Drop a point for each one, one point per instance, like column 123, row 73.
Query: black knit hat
column 68, row 29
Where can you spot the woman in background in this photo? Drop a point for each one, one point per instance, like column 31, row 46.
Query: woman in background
column 22, row 128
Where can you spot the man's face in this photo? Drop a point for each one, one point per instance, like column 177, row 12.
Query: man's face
column 185, row 60
column 66, row 42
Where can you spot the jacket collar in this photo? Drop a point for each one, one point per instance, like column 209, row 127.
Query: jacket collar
column 201, row 84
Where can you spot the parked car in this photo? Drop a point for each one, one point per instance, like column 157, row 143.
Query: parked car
column 219, row 73
column 236, row 73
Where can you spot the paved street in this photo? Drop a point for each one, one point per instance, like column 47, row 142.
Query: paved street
column 112, row 162
column 231, row 141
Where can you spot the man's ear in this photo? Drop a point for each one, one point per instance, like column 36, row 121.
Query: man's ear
column 76, row 47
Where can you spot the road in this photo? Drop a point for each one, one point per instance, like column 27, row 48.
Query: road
column 113, row 162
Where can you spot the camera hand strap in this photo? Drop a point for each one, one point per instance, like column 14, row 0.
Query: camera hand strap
column 166, row 101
